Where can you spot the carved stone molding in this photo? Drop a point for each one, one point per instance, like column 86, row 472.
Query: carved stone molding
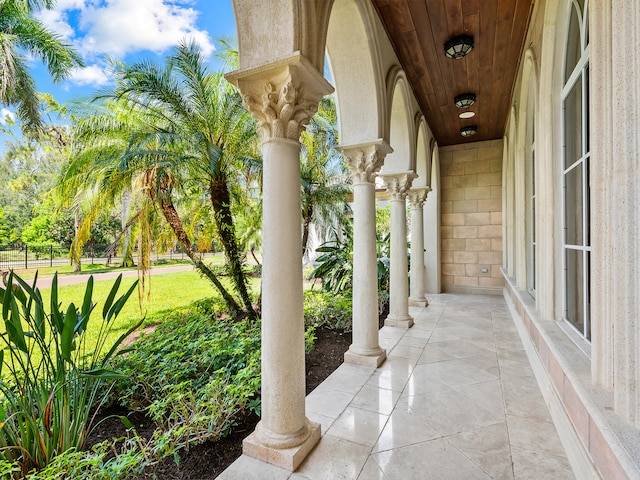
column 417, row 196
column 282, row 96
column 398, row 184
column 365, row 161
column 282, row 110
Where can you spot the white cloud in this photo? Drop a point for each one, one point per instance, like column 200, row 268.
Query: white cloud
column 91, row 75
column 6, row 116
column 121, row 27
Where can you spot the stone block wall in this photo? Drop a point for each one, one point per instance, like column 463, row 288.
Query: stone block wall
column 471, row 208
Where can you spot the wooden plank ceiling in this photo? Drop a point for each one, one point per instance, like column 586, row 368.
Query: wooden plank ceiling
column 418, row 30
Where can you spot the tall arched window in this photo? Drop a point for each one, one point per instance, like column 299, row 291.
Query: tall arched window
column 530, row 142
column 575, row 171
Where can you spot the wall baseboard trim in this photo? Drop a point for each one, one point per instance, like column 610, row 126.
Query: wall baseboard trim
column 464, row 290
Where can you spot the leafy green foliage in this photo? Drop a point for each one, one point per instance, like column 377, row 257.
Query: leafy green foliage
column 325, row 308
column 335, row 264
column 50, row 380
column 193, row 374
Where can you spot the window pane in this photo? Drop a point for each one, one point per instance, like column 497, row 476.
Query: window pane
column 574, row 49
column 575, row 288
column 586, row 108
column 573, row 206
column 573, row 125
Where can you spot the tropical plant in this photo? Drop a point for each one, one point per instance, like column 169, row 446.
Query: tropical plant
column 192, row 375
column 51, row 378
column 22, row 35
column 175, row 132
column 335, row 264
column 324, row 180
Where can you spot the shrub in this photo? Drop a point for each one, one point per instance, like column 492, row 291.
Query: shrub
column 325, row 308
column 193, row 375
column 51, row 380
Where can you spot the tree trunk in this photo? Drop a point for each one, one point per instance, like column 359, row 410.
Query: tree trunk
column 127, row 260
column 171, row 215
column 221, row 202
column 77, row 257
column 308, row 215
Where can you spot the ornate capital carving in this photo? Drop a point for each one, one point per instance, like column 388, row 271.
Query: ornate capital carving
column 365, row 160
column 282, row 96
column 417, row 197
column 282, row 110
column 398, row 184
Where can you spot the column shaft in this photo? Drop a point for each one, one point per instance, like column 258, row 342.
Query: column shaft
column 283, row 372
column 399, row 316
column 364, row 161
column 417, row 274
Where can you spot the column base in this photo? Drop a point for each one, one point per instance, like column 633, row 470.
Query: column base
column 404, row 321
column 418, row 302
column 288, row 458
column 372, row 360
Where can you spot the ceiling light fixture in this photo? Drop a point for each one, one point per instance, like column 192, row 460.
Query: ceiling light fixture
column 465, row 100
column 468, row 114
column 458, row 47
column 469, row 131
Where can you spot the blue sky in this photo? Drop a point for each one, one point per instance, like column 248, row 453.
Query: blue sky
column 127, row 30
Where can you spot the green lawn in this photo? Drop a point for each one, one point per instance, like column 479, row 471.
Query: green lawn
column 163, row 293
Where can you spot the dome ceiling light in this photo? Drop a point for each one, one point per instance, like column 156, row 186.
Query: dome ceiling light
column 469, row 131
column 468, row 114
column 465, row 100
column 458, row 47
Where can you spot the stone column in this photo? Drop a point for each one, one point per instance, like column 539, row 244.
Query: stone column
column 282, row 97
column 364, row 162
column 615, row 200
column 398, row 185
column 417, row 197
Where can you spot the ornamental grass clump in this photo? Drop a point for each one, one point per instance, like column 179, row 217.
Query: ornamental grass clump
column 52, row 374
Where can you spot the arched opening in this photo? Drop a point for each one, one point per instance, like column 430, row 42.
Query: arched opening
column 432, row 217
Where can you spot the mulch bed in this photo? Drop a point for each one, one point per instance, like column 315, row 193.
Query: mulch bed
column 206, row 461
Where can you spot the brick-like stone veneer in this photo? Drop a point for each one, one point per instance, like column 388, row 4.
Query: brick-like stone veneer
column 589, row 409
column 471, row 206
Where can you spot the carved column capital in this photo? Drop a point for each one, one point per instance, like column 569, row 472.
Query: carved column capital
column 365, row 161
column 417, row 196
column 398, row 184
column 282, row 96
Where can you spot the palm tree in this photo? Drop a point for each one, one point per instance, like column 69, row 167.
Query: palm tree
column 21, row 33
column 184, row 130
column 324, row 181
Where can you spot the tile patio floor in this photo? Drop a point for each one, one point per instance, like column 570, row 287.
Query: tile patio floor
column 455, row 399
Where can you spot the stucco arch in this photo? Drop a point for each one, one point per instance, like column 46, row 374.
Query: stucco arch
column 528, row 77
column 432, row 260
column 399, row 124
column 423, row 154
column 269, row 31
column 355, row 64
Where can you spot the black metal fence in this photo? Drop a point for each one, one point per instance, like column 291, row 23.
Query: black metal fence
column 29, row 256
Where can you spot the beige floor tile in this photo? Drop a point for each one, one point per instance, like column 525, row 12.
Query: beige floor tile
column 487, row 395
column 530, row 434
column 489, row 449
column 371, row 471
column 406, row 352
column 333, row 459
column 247, row 468
column 348, row 378
column 436, row 459
column 359, row 426
column 379, row 400
column 412, row 341
column 451, row 412
column 454, row 372
column 393, row 374
column 329, row 403
column 404, row 427
column 531, row 465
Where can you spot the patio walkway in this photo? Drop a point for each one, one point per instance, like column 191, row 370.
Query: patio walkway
column 456, row 399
